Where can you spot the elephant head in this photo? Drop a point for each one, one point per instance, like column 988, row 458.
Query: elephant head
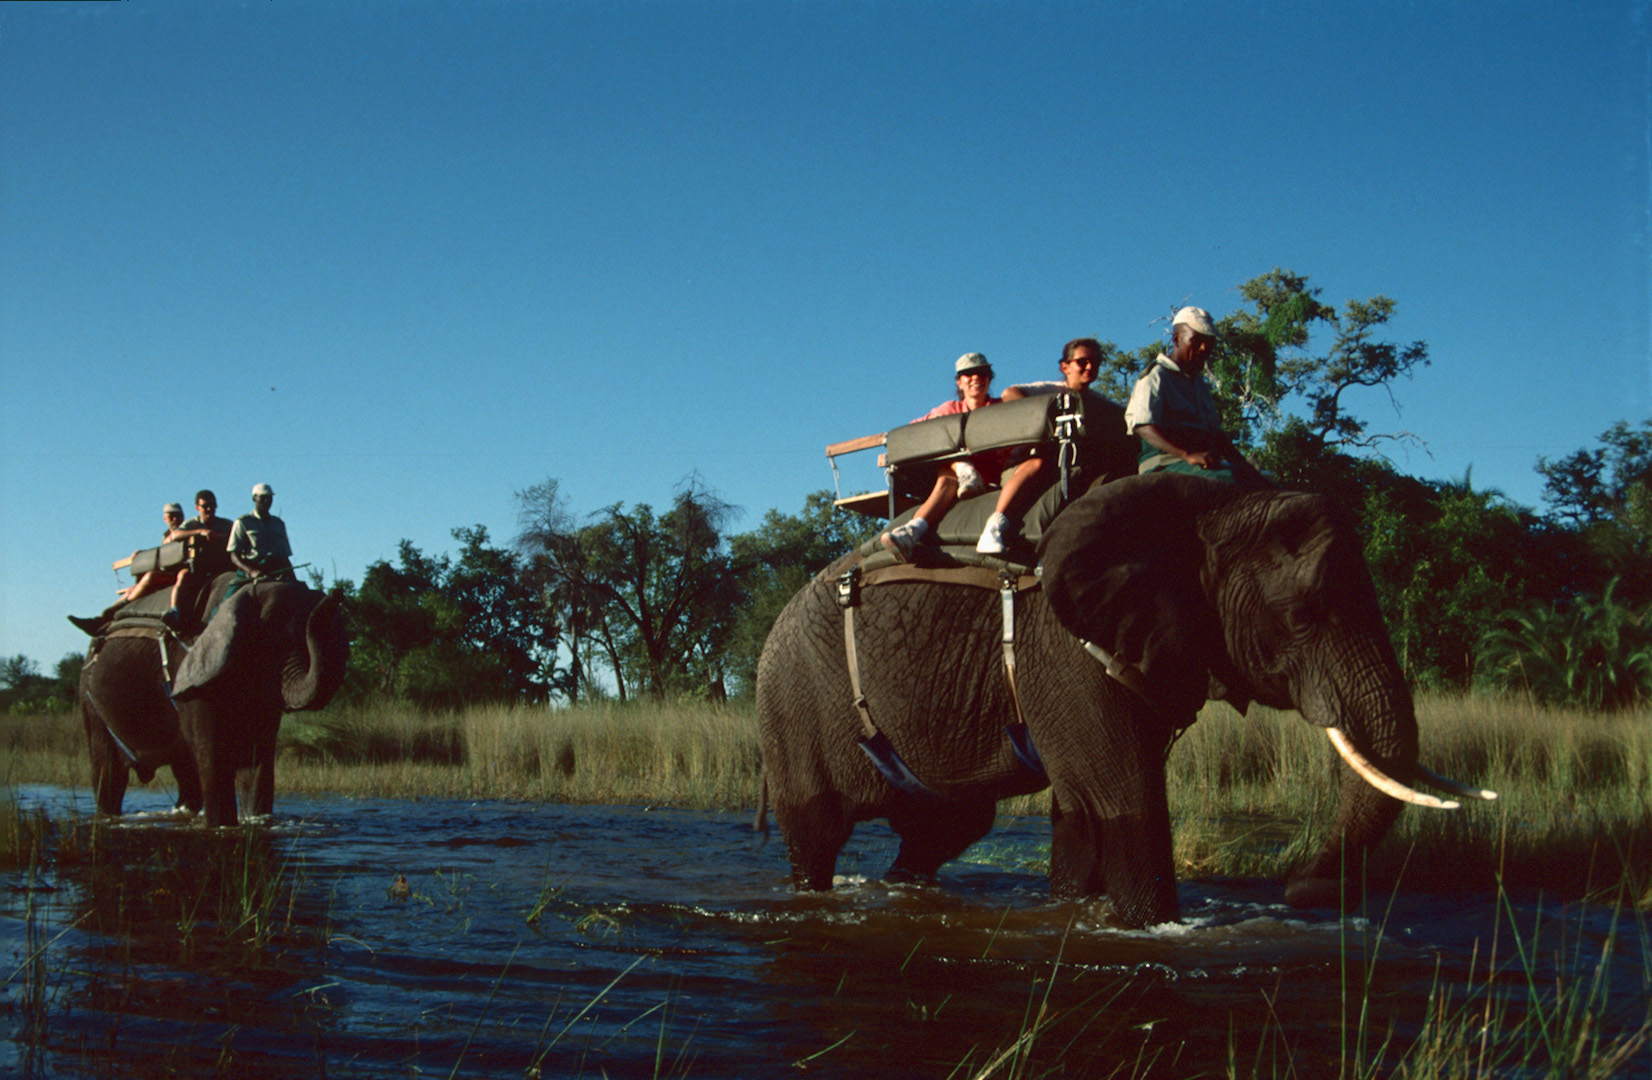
column 1195, row 588
column 273, row 639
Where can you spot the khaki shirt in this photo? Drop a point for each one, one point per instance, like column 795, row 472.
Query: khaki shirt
column 1168, row 397
column 257, row 539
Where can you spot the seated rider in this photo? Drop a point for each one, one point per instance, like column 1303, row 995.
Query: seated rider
column 207, row 547
column 958, row 479
column 258, row 541
column 151, row 581
column 1080, row 363
column 155, row 580
column 1173, row 413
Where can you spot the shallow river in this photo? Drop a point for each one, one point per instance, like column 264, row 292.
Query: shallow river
column 549, row 940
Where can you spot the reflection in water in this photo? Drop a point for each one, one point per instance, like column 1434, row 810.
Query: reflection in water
column 617, row 941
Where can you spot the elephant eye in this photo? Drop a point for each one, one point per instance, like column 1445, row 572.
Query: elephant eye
column 1299, row 619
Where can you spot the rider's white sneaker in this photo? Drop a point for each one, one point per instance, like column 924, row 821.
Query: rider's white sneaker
column 992, row 537
column 902, row 539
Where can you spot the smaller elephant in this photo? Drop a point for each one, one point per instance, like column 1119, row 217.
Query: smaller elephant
column 270, row 647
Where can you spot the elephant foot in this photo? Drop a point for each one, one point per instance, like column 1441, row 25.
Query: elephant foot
column 1321, row 892
column 899, row 876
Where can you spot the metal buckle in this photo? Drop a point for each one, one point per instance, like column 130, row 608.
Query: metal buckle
column 848, row 588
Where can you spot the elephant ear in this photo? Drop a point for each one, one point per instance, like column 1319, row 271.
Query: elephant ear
column 1121, row 567
column 226, row 641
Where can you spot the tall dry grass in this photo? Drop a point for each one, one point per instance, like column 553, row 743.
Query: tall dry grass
column 1254, row 795
column 1250, row 796
column 679, row 755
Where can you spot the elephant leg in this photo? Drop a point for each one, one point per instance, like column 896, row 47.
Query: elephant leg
column 934, row 834
column 1132, row 847
column 189, row 781
column 1135, row 855
column 1136, row 861
column 109, row 766
column 218, row 794
column 256, row 783
column 815, row 832
column 1075, row 862
column 1336, row 875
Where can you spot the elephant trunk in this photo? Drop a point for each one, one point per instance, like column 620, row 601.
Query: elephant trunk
column 1373, row 715
column 312, row 682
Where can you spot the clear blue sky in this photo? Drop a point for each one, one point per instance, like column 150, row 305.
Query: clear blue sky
column 400, row 260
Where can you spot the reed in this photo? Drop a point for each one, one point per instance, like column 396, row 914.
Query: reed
column 1253, row 795
column 1536, row 1001
column 1250, row 796
column 668, row 755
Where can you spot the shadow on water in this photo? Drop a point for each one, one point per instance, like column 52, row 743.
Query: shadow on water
column 385, row 938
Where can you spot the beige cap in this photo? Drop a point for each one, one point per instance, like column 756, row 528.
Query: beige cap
column 173, row 508
column 1196, row 318
column 262, row 489
column 971, row 362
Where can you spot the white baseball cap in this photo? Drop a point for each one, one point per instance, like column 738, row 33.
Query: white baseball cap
column 970, row 363
column 1198, row 319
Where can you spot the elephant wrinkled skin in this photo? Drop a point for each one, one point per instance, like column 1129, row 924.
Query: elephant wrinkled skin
column 272, row 647
column 1256, row 595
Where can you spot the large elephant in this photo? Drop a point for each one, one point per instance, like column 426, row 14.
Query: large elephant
column 1189, row 586
column 270, row 647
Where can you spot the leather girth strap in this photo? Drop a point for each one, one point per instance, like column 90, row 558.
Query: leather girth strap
column 848, row 598
column 1006, row 584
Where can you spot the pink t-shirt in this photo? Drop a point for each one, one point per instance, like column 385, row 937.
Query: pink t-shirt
column 991, row 464
column 949, row 408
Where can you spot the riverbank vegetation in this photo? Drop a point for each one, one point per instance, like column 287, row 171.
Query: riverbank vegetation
column 1251, row 795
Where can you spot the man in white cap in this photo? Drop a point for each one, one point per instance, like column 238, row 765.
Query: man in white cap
column 1172, row 411
column 956, row 479
column 258, row 541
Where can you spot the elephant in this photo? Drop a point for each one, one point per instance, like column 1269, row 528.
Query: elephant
column 270, row 646
column 1187, row 587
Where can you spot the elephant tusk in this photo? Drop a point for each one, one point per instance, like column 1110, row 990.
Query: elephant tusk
column 1445, row 783
column 1373, row 776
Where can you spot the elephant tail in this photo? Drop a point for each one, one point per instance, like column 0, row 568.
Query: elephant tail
column 760, row 823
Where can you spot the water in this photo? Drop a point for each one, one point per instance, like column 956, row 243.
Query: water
column 554, row 940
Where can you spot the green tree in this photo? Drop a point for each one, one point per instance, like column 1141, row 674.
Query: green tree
column 781, row 556
column 67, row 672
column 574, row 612
column 1605, row 484
column 444, row 632
column 1589, row 653
column 496, row 616
column 1602, row 498
column 23, row 689
column 652, row 595
column 1446, row 559
column 392, row 617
